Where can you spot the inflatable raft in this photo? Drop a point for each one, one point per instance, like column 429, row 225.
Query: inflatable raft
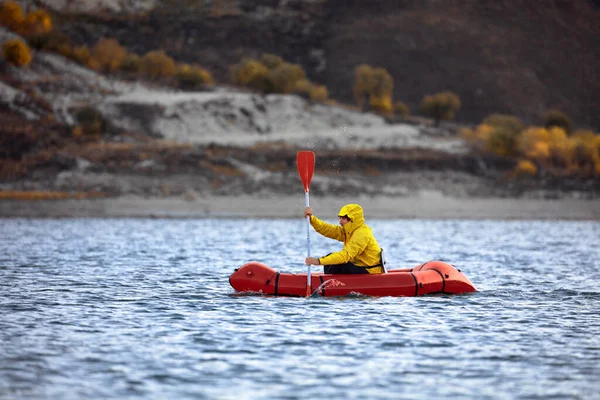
column 428, row 278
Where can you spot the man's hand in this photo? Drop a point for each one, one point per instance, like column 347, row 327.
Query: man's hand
column 308, row 211
column 312, row 261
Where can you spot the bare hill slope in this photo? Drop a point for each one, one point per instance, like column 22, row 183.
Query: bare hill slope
column 519, row 57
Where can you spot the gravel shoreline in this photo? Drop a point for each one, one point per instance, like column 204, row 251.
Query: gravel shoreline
column 427, row 205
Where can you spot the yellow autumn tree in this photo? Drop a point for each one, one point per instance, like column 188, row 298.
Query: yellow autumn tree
column 559, row 148
column 192, row 76
column 132, row 63
column 157, row 64
column 363, row 75
column 585, row 153
column 373, row 87
column 525, row 168
column 285, row 77
column 319, row 93
column 534, row 144
column 441, row 106
column 109, row 54
column 16, row 52
column 11, row 15
column 479, row 137
column 505, row 130
column 251, row 73
column 381, row 91
column 36, row 23
column 271, row 61
column 557, row 118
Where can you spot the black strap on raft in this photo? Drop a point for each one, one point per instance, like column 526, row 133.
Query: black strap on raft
column 276, row 284
column 382, row 263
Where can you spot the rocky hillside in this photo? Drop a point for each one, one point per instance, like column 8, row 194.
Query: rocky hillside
column 516, row 57
column 69, row 129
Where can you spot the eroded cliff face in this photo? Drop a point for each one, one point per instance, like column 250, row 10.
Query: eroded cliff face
column 504, row 56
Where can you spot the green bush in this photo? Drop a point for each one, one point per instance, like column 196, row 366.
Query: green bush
column 557, row 118
column 441, row 106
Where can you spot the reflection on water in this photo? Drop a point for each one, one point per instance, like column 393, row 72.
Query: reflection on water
column 143, row 308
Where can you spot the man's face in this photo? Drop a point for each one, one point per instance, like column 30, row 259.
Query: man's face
column 344, row 220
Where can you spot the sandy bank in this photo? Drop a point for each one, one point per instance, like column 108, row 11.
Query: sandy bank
column 426, row 205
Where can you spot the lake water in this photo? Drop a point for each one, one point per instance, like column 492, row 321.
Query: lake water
column 118, row 308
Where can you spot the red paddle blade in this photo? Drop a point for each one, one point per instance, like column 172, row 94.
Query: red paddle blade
column 306, row 167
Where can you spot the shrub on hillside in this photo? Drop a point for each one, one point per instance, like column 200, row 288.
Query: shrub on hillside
column 559, row 148
column 585, row 152
column 109, row 54
column 82, row 55
column 382, row 84
column 16, row 52
column 557, row 118
column 303, row 88
column 509, row 123
column 381, row 104
column 285, row 77
column 362, row 85
column 373, row 88
column 525, row 168
column 132, row 63
column 505, row 130
column 319, row 93
column 401, row 109
column 192, row 77
column 11, row 15
column 478, row 137
column 310, row 91
column 271, row 61
column 37, row 22
column 441, row 106
column 251, row 73
column 157, row 64
column 533, row 144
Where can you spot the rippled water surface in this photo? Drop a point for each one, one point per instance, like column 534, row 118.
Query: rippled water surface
column 143, row 309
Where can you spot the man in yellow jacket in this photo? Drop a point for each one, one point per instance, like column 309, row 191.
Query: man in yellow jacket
column 361, row 253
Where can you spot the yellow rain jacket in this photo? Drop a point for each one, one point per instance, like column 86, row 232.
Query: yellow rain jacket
column 360, row 246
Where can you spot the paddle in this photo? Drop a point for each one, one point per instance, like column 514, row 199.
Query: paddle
column 306, row 167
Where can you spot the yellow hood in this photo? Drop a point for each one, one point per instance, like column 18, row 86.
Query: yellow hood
column 355, row 213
